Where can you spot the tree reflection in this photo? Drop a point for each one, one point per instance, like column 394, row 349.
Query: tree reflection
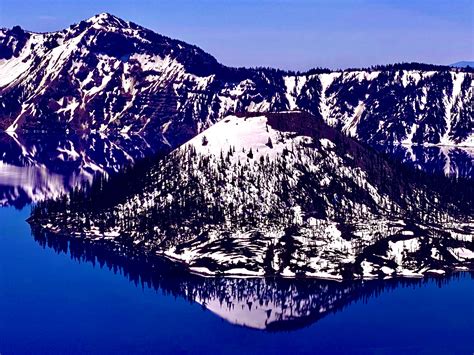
column 272, row 304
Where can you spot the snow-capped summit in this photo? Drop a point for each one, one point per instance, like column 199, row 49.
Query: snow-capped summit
column 105, row 18
column 108, row 22
column 106, row 74
column 241, row 134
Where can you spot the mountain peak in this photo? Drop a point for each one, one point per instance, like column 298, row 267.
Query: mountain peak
column 105, row 19
column 102, row 16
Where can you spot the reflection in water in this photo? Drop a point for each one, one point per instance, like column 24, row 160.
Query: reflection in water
column 449, row 161
column 270, row 304
column 36, row 167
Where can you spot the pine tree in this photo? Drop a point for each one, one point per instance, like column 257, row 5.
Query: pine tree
column 250, row 154
column 270, row 143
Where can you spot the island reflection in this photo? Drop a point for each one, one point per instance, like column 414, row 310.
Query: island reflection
column 271, row 304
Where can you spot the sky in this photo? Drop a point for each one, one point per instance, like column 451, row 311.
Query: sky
column 286, row 34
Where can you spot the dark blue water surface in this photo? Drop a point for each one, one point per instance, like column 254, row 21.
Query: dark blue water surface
column 51, row 303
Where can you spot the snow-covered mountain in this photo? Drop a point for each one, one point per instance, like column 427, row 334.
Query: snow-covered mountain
column 110, row 75
column 281, row 194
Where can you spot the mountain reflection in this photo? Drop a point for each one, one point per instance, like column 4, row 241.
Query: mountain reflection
column 35, row 167
column 266, row 303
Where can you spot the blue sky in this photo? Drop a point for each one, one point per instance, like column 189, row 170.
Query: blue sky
column 289, row 34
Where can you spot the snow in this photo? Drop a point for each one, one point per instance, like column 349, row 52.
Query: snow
column 14, row 68
column 243, row 272
column 262, row 106
column 326, row 143
column 462, row 253
column 350, row 127
column 97, row 89
column 322, row 248
column 333, row 232
column 397, row 249
column 450, row 102
column 387, row 270
column 287, row 272
column 435, row 254
column 149, row 62
column 327, row 79
column 368, row 269
column 69, row 152
column 125, row 129
column 13, row 127
column 201, row 271
column 58, row 57
column 71, row 107
column 241, row 133
column 202, row 82
column 409, row 138
column 411, row 77
column 324, row 107
column 294, row 85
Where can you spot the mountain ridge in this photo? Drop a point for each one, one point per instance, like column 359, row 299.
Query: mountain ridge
column 463, row 64
column 110, row 75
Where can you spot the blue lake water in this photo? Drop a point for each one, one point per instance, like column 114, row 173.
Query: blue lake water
column 51, row 303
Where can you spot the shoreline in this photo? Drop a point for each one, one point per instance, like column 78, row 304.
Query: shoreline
column 205, row 272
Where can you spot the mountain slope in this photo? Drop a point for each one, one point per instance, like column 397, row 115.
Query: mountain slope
column 281, row 194
column 110, row 75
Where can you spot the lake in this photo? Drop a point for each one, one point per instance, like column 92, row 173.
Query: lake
column 55, row 299
column 66, row 296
